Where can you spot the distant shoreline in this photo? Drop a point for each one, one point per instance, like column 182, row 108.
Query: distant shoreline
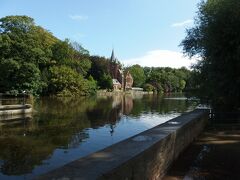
column 112, row 93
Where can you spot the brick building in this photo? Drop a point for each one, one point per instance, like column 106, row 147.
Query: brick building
column 121, row 80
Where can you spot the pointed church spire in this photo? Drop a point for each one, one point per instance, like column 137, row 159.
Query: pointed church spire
column 112, row 56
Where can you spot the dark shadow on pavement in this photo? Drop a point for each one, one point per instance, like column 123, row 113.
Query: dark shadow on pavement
column 215, row 154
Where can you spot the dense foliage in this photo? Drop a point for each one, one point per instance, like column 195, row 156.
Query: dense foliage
column 100, row 71
column 138, row 75
column 161, row 79
column 33, row 60
column 216, row 39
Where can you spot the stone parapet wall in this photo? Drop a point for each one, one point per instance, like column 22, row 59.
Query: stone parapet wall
column 147, row 155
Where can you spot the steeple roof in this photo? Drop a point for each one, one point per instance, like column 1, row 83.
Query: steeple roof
column 112, row 56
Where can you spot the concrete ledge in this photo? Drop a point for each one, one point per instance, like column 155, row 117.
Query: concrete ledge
column 8, row 110
column 144, row 156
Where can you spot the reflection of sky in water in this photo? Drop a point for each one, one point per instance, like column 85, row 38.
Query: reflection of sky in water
column 93, row 139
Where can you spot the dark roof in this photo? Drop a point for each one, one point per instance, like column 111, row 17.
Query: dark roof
column 112, row 56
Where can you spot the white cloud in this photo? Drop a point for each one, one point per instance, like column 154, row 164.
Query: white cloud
column 161, row 58
column 181, row 24
column 78, row 17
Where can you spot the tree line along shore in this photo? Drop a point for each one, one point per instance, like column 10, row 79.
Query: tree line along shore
column 33, row 60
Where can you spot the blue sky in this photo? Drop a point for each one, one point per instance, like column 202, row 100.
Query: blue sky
column 146, row 32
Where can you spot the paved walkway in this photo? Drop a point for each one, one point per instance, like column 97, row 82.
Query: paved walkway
column 214, row 155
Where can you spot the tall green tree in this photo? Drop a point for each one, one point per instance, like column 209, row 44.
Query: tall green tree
column 65, row 81
column 21, row 55
column 138, row 75
column 168, row 79
column 100, row 71
column 216, row 39
column 106, row 82
column 30, row 55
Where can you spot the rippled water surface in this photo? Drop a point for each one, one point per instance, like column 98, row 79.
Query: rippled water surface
column 64, row 129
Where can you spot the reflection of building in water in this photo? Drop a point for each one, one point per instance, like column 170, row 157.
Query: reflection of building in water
column 109, row 111
column 121, row 105
column 126, row 103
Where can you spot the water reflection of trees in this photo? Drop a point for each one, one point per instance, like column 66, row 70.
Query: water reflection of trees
column 23, row 148
column 158, row 104
column 62, row 123
column 59, row 123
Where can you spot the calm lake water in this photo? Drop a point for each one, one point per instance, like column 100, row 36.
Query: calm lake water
column 64, row 129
